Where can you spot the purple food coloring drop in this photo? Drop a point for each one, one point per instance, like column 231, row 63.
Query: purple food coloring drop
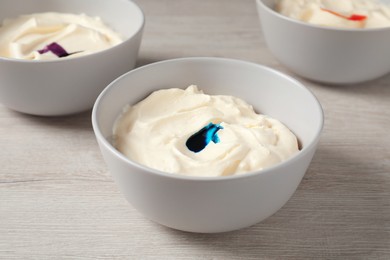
column 57, row 49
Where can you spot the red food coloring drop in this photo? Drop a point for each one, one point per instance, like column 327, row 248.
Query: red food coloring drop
column 357, row 17
column 353, row 17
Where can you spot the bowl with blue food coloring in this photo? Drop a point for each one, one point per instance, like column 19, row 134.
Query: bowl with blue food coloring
column 210, row 204
column 69, row 83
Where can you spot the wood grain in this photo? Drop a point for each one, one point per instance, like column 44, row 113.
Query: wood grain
column 58, row 201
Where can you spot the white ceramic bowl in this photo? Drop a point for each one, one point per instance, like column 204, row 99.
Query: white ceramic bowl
column 211, row 204
column 71, row 85
column 325, row 54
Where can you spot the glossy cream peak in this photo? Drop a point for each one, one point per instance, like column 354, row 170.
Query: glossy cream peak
column 23, row 37
column 154, row 133
column 338, row 13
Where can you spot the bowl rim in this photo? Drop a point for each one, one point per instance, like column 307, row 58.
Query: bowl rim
column 325, row 28
column 91, row 55
column 269, row 170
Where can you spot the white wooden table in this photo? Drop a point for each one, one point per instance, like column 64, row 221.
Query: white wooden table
column 58, row 200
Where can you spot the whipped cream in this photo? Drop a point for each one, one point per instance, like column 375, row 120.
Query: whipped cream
column 337, row 13
column 190, row 133
column 45, row 36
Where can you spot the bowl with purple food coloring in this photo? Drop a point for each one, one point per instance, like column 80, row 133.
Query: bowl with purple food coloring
column 70, row 80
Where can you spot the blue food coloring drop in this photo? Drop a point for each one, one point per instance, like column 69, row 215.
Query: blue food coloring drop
column 198, row 141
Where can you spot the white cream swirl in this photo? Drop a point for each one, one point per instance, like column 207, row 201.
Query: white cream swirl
column 27, row 36
column 154, row 133
column 338, row 13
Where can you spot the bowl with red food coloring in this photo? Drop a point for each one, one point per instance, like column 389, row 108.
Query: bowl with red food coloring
column 210, row 204
column 71, row 82
column 326, row 54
